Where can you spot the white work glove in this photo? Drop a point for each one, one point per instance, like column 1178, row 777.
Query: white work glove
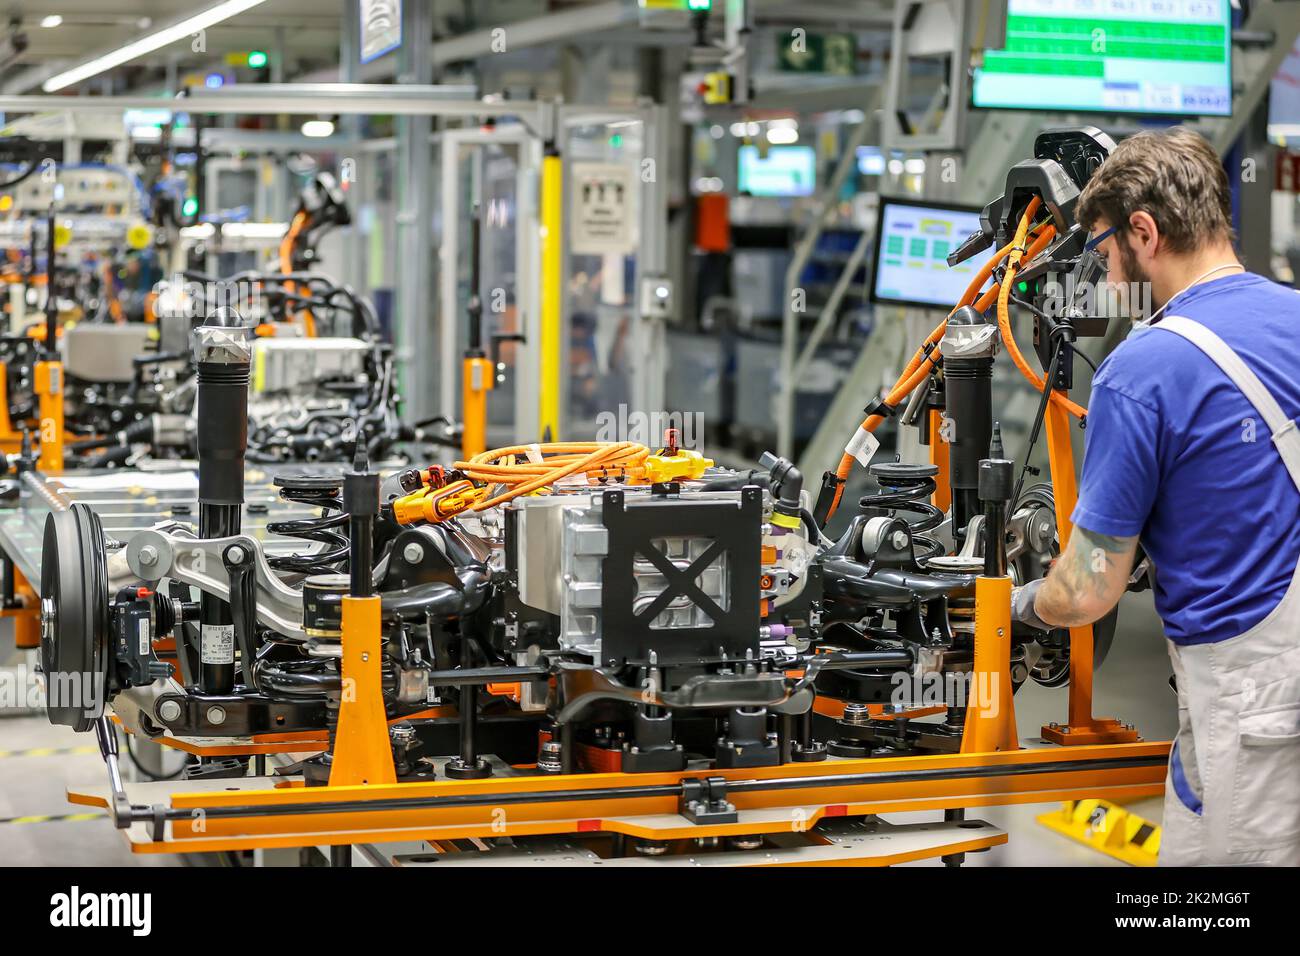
column 1022, row 605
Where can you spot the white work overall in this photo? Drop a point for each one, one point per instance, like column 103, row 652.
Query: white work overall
column 1233, row 792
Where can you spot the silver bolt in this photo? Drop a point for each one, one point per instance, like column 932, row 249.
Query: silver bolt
column 856, row 714
column 235, row 554
column 899, row 539
column 170, row 710
column 413, row 553
column 148, row 554
column 216, row 715
column 49, row 620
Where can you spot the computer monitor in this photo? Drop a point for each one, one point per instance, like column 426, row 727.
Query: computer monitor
column 784, row 171
column 1155, row 57
column 871, row 161
column 913, row 239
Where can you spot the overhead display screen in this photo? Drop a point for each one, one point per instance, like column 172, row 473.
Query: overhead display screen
column 784, row 171
column 913, row 240
column 1116, row 56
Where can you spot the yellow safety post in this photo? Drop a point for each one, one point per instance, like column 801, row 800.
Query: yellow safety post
column 552, row 313
column 362, row 752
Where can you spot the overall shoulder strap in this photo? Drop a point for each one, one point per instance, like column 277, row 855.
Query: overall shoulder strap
column 1282, row 429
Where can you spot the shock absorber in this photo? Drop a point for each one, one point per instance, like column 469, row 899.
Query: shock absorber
column 969, row 344
column 223, row 354
column 907, row 488
column 317, row 491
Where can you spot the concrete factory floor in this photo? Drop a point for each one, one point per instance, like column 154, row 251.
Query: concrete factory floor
column 1133, row 686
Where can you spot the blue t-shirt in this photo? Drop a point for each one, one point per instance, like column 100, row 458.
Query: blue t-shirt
column 1175, row 453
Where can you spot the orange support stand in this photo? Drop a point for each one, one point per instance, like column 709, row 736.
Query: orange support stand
column 10, row 441
column 477, row 379
column 990, row 712
column 49, row 389
column 1082, row 728
column 26, row 613
column 942, row 497
column 362, row 751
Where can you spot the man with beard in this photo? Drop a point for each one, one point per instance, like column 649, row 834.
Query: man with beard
column 1192, row 450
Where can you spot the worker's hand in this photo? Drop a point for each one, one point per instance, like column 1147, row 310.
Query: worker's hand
column 1022, row 605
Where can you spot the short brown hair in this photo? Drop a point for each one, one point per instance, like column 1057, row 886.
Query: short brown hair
column 1175, row 176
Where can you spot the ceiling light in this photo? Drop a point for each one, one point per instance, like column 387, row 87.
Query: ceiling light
column 147, row 44
column 782, row 135
column 52, row 21
column 317, row 128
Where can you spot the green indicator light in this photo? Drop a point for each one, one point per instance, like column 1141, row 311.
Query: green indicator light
column 698, row 4
column 257, row 59
column 190, row 207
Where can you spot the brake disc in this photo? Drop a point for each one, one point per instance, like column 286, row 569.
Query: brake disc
column 1052, row 668
column 74, row 617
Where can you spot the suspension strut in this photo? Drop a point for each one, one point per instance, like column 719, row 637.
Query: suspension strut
column 969, row 344
column 223, row 354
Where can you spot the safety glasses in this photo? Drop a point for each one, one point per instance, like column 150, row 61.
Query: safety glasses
column 1095, row 241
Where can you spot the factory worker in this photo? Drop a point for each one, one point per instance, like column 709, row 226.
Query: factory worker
column 1192, row 450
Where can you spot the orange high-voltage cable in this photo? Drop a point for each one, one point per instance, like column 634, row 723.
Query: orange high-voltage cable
column 927, row 355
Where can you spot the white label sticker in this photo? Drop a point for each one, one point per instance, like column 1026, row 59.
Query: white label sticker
column 217, row 645
column 431, row 696
column 146, row 645
column 862, row 446
column 600, row 212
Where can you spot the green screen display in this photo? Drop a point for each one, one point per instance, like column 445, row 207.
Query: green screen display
column 1115, row 56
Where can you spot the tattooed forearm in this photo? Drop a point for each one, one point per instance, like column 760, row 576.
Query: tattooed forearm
column 1087, row 580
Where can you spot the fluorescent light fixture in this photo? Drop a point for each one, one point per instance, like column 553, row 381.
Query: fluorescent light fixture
column 236, row 230
column 254, row 230
column 146, row 117
column 317, row 128
column 200, row 233
column 782, row 135
column 147, row 44
column 52, row 21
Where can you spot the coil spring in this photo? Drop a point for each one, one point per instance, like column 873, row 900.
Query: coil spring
column 317, row 492
column 907, row 488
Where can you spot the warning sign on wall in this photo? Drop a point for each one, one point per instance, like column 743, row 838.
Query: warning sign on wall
column 601, row 209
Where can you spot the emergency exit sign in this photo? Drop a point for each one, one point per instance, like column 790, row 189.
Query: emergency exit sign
column 831, row 54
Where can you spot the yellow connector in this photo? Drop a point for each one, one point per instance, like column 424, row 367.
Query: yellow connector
column 437, row 504
column 683, row 465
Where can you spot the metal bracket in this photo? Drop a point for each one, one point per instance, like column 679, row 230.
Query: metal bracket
column 704, row 800
column 154, row 555
column 928, row 29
